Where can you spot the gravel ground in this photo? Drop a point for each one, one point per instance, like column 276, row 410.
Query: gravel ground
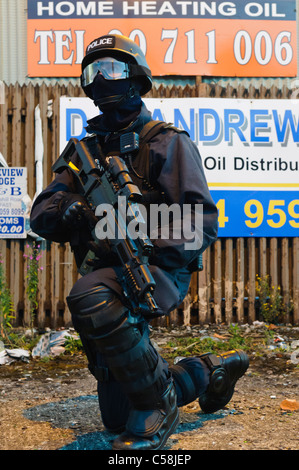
column 53, row 406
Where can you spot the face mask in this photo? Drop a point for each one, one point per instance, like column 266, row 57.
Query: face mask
column 108, row 94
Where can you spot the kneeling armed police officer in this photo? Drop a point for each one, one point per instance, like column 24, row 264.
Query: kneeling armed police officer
column 139, row 393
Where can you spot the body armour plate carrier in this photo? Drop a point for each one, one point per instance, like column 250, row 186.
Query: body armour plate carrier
column 140, row 168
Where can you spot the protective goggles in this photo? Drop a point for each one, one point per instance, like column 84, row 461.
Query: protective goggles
column 109, row 68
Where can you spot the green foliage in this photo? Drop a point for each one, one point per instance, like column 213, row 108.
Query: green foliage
column 73, row 345
column 235, row 338
column 33, row 269
column 271, row 303
column 6, row 305
column 236, row 341
column 191, row 346
column 18, row 339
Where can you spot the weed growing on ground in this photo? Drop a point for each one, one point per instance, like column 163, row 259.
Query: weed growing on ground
column 33, row 269
column 273, row 308
column 236, row 339
column 73, row 346
column 6, row 305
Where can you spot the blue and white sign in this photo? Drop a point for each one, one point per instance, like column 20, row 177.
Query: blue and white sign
column 13, row 188
column 249, row 150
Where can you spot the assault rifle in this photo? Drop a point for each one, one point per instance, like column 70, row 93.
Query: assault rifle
column 103, row 180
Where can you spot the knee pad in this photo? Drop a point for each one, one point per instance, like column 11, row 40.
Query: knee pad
column 95, row 309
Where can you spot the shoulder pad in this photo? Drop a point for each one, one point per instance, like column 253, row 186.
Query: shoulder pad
column 176, row 129
column 153, row 128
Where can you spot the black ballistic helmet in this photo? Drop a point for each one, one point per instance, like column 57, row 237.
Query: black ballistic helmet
column 121, row 48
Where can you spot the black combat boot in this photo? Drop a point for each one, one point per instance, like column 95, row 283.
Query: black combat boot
column 225, row 370
column 211, row 378
column 149, row 429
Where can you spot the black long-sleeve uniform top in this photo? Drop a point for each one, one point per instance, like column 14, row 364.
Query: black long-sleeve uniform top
column 175, row 168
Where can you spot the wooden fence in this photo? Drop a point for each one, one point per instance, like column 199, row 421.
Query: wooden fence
column 225, row 291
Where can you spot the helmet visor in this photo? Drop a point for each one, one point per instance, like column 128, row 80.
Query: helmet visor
column 108, row 67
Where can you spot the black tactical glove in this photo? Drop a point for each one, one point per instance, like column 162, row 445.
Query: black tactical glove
column 76, row 213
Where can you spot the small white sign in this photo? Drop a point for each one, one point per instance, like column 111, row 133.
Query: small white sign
column 13, row 188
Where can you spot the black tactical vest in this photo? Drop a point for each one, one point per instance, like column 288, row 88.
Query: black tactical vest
column 140, row 171
column 139, row 164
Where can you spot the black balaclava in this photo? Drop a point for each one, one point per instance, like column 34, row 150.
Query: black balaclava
column 119, row 101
